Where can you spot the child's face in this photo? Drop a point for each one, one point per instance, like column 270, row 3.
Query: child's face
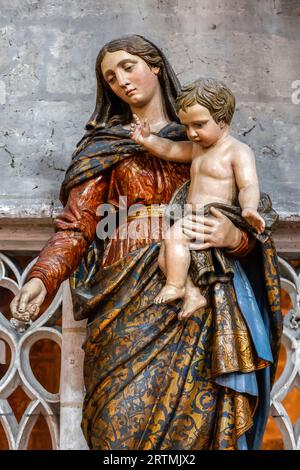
column 200, row 125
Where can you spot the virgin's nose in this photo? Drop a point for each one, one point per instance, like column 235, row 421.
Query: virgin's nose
column 122, row 78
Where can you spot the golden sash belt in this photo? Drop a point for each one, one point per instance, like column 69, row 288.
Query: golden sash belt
column 154, row 210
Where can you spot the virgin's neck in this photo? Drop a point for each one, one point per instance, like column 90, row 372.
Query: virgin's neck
column 154, row 112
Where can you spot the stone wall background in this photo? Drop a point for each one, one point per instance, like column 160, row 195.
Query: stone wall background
column 47, row 84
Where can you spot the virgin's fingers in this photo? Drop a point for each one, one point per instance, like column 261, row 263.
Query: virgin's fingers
column 200, row 219
column 199, row 246
column 14, row 303
column 23, row 302
column 25, row 316
column 194, row 218
column 204, row 234
column 190, row 221
column 216, row 213
column 32, row 308
column 35, row 314
column 193, row 235
column 39, row 300
column 198, row 229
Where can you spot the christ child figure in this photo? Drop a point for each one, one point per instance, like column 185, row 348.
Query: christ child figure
column 222, row 169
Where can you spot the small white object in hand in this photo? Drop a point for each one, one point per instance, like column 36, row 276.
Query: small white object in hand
column 19, row 325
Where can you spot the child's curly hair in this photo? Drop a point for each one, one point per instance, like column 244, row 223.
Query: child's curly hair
column 212, row 94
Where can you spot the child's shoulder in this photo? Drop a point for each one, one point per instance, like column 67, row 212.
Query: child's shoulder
column 239, row 144
column 240, row 149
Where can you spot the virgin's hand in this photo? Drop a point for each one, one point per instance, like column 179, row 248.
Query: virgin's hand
column 215, row 231
column 25, row 305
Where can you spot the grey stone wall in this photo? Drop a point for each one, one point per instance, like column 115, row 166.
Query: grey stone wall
column 47, row 84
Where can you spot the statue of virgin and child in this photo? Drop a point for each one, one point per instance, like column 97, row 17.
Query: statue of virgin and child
column 182, row 337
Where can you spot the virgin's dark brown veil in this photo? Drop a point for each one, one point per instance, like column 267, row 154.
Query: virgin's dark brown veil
column 110, row 109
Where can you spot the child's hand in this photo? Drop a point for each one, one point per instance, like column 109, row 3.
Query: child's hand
column 254, row 219
column 139, row 131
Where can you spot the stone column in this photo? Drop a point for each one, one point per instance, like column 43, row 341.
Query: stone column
column 72, row 387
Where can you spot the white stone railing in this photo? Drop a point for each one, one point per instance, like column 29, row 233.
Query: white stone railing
column 62, row 411
column 290, row 377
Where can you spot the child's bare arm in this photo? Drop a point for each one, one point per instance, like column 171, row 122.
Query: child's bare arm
column 246, row 177
column 247, row 182
column 163, row 148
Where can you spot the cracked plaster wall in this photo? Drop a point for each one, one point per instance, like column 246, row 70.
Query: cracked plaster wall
column 47, row 85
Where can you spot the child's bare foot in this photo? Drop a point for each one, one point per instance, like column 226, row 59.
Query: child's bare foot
column 254, row 219
column 191, row 304
column 169, row 293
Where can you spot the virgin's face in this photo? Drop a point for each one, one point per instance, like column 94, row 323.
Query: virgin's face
column 130, row 77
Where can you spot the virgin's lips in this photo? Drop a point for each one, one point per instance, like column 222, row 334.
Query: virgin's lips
column 128, row 92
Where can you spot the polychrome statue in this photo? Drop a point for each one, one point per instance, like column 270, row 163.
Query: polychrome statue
column 153, row 381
